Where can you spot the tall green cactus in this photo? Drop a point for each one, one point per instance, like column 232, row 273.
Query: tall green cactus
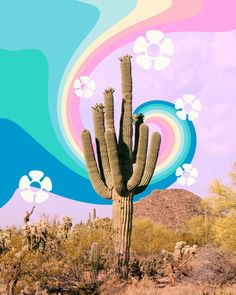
column 114, row 176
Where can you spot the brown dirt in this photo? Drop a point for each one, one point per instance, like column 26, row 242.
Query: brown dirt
column 170, row 207
column 148, row 287
column 212, row 266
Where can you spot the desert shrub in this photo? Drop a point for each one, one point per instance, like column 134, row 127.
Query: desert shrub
column 218, row 225
column 62, row 264
column 224, row 231
column 198, row 231
column 218, row 230
column 223, row 197
column 150, row 238
column 83, row 236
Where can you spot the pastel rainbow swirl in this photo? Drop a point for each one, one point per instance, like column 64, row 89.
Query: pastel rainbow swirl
column 178, row 140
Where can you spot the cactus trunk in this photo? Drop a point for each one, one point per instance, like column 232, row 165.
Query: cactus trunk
column 122, row 210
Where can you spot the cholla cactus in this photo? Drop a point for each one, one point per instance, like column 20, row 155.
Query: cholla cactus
column 36, row 236
column 114, row 177
column 65, row 228
column 5, row 240
column 94, row 257
column 184, row 251
column 42, row 234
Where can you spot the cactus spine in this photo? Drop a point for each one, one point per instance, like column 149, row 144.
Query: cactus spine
column 114, row 177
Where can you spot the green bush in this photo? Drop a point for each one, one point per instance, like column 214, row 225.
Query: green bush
column 150, row 238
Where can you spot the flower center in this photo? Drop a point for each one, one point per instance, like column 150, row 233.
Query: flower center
column 35, row 186
column 186, row 174
column 84, row 86
column 188, row 107
column 153, row 50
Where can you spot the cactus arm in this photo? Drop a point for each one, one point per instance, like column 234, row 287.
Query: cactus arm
column 109, row 108
column 138, row 120
column 93, row 172
column 141, row 158
column 99, row 130
column 126, row 128
column 151, row 163
column 114, row 161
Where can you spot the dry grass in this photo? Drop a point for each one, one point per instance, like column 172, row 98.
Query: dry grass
column 147, row 287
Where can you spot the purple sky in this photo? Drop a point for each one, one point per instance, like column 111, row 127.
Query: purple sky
column 204, row 64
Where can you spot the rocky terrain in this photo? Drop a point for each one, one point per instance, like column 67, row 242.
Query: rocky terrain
column 170, row 207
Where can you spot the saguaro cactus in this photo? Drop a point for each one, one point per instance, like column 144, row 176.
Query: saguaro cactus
column 114, row 176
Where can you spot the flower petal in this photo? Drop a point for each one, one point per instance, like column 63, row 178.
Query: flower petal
column 167, row 47
column 161, row 62
column 77, row 84
column 91, row 85
column 190, row 181
column 84, row 79
column 154, row 36
column 187, row 167
column 46, row 184
column 193, row 115
column 181, row 114
column 194, row 172
column 41, row 197
column 188, row 98
column 140, row 45
column 88, row 93
column 179, row 104
column 36, row 175
column 24, row 182
column 79, row 93
column 197, row 105
column 144, row 61
column 27, row 195
column 181, row 180
column 179, row 171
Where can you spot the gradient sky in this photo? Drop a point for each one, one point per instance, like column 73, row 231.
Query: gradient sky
column 204, row 64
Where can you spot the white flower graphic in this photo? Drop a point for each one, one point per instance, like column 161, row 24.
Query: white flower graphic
column 186, row 175
column 35, row 187
column 154, row 50
column 84, row 87
column 188, row 105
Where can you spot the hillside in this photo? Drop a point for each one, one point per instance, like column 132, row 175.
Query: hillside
column 169, row 207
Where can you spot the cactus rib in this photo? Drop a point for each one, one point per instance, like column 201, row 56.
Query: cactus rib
column 141, row 158
column 151, row 162
column 93, row 172
column 126, row 126
column 109, row 108
column 99, row 130
column 114, row 161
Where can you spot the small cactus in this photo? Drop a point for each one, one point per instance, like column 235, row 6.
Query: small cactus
column 94, row 214
column 95, row 257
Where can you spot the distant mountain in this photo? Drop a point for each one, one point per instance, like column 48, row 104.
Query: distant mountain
column 170, row 207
